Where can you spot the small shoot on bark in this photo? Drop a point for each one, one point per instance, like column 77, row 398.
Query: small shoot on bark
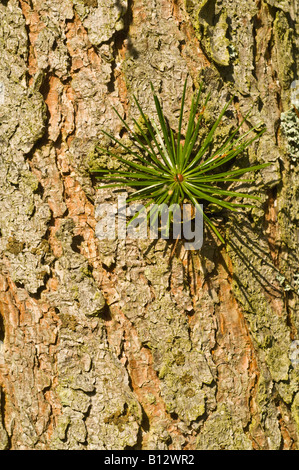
column 172, row 168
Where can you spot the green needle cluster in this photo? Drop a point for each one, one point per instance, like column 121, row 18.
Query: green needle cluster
column 172, row 169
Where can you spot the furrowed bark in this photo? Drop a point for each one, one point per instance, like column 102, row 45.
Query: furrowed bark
column 116, row 344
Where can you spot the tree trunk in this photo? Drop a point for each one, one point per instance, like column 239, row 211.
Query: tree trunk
column 122, row 344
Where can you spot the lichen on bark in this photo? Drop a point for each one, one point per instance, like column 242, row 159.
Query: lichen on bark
column 125, row 344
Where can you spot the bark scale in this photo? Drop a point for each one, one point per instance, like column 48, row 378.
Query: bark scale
column 114, row 344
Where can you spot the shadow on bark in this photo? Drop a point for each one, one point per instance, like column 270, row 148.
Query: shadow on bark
column 241, row 246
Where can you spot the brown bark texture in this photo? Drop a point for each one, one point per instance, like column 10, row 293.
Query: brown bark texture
column 127, row 343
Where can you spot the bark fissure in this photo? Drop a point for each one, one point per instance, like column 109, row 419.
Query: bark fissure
column 128, row 344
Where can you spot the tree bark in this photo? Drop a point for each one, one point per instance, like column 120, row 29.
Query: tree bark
column 116, row 344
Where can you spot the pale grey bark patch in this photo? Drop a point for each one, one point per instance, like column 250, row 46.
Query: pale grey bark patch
column 178, row 359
